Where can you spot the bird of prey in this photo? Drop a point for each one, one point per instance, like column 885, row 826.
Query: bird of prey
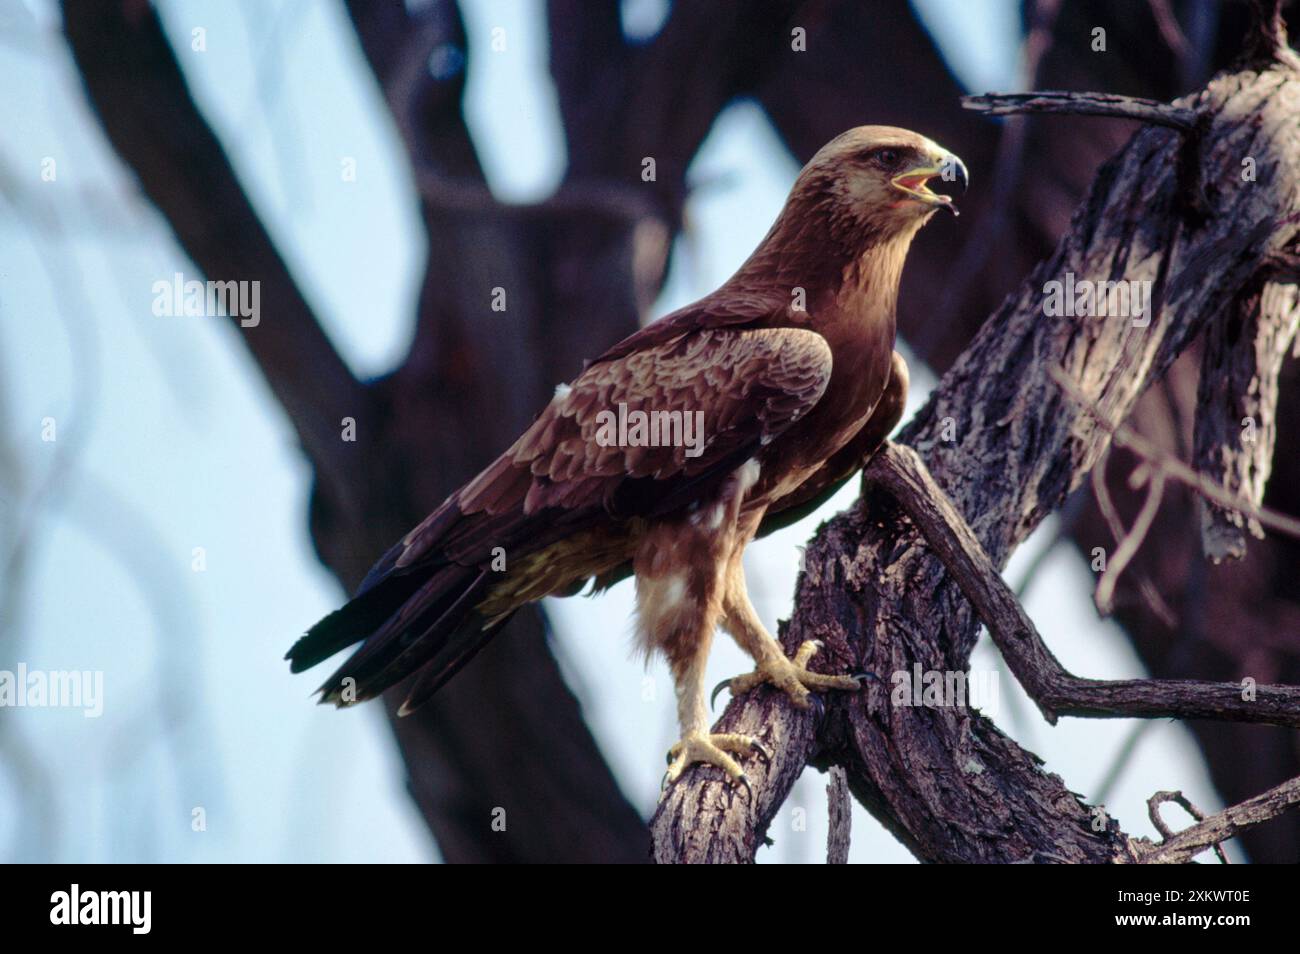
column 670, row 452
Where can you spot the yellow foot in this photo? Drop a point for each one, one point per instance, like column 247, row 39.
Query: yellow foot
column 792, row 677
column 697, row 747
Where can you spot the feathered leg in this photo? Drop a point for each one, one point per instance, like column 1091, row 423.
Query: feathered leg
column 680, row 570
column 791, row 676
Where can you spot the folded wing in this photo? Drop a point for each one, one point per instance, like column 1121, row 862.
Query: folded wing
column 568, row 488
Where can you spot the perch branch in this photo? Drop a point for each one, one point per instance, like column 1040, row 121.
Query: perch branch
column 900, row 471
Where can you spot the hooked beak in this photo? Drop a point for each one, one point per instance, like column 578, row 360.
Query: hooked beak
column 915, row 181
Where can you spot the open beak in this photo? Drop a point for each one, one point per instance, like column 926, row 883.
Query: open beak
column 915, row 181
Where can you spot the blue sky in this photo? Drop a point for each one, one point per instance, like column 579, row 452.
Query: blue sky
column 168, row 441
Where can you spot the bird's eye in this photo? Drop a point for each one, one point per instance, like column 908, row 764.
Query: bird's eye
column 884, row 157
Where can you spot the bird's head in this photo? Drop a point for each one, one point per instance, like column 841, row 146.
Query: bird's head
column 878, row 179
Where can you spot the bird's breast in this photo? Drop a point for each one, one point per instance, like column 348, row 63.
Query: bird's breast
column 859, row 377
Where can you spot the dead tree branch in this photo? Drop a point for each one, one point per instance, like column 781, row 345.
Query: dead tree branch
column 1179, row 635
column 1178, row 798
column 898, row 470
column 1084, row 104
column 1236, row 420
column 1219, row 827
column 1215, row 494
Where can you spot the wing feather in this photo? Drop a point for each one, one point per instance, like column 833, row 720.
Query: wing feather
column 729, row 390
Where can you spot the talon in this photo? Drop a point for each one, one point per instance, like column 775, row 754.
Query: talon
column 863, row 675
column 818, row 707
column 713, row 696
column 696, row 747
column 741, row 782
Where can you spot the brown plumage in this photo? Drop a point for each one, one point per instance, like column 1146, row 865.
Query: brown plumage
column 670, row 452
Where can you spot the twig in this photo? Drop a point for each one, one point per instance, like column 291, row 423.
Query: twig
column 1223, row 825
column 1160, row 798
column 841, row 817
column 1129, row 542
column 1084, row 104
column 1103, row 598
column 1124, row 436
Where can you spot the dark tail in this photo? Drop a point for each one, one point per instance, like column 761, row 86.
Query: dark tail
column 408, row 621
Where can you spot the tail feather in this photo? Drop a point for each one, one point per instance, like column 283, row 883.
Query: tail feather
column 418, row 607
column 460, row 647
column 431, row 622
column 351, row 623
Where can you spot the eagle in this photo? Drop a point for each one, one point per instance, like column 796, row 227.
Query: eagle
column 669, row 453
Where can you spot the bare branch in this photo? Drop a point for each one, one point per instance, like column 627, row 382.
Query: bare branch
column 1236, row 411
column 1223, row 825
column 1124, row 436
column 1178, row 798
column 901, row 472
column 1106, row 504
column 140, row 95
column 1130, row 541
column 701, row 819
column 1084, row 104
